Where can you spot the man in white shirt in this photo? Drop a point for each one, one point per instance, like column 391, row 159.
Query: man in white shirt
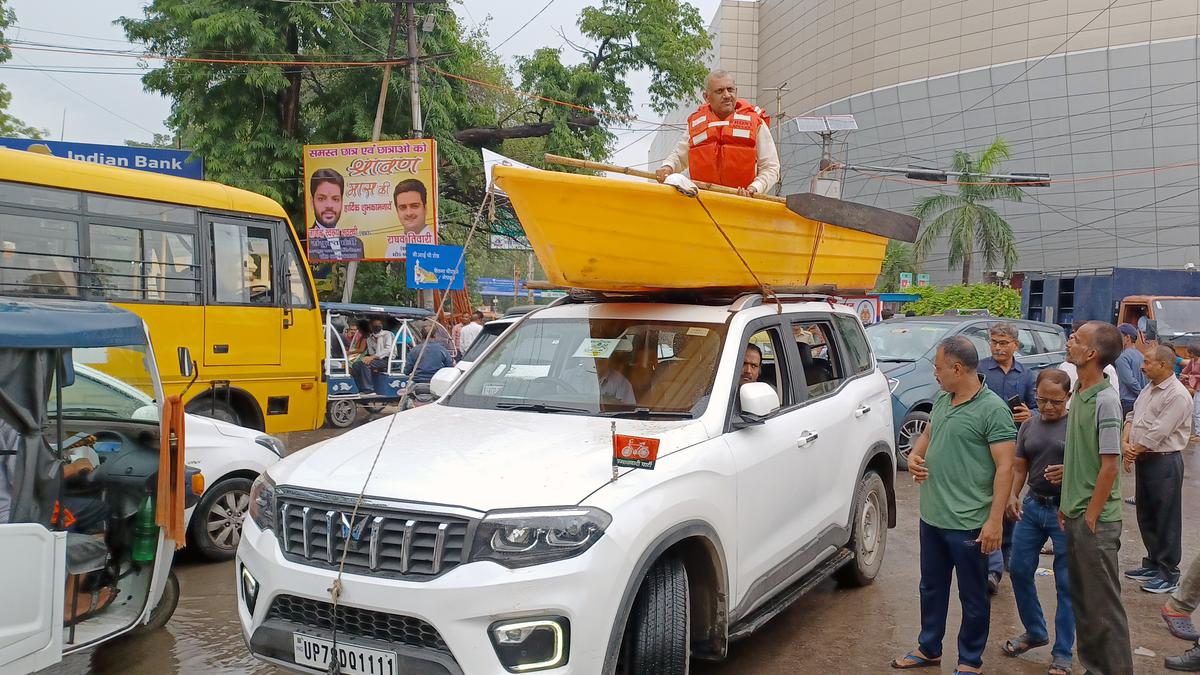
column 471, row 331
column 728, row 142
column 379, row 350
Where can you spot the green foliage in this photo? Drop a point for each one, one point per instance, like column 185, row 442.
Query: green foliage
column 898, row 258
column 970, row 225
column 9, row 125
column 663, row 37
column 999, row 300
column 158, row 141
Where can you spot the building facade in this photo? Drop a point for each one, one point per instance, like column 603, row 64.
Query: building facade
column 1104, row 99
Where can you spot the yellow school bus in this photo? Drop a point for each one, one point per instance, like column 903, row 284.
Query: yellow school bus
column 209, row 267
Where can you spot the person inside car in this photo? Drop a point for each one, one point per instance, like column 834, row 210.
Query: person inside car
column 751, row 364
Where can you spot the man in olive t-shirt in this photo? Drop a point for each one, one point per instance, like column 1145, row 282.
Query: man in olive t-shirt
column 1090, row 506
column 963, row 462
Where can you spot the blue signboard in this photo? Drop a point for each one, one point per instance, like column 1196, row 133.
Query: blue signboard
column 504, row 287
column 432, row 267
column 156, row 160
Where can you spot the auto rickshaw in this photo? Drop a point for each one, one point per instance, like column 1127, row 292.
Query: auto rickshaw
column 93, row 488
column 344, row 395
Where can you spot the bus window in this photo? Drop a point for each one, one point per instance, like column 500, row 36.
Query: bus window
column 116, row 262
column 39, row 255
column 142, row 210
column 298, row 297
column 172, row 273
column 242, row 264
column 39, row 197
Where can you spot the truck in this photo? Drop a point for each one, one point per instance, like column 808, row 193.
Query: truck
column 1165, row 304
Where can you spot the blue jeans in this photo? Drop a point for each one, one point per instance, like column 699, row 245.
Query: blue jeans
column 943, row 553
column 999, row 559
column 1038, row 522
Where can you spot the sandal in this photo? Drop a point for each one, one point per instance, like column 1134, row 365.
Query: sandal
column 1021, row 644
column 1180, row 625
column 915, row 660
column 1059, row 667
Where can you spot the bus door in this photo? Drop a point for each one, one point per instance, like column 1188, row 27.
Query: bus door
column 243, row 320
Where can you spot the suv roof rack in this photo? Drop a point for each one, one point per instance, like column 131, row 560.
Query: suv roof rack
column 736, row 298
column 966, row 312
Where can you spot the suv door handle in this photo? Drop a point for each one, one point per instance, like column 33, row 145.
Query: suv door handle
column 806, row 438
column 862, row 410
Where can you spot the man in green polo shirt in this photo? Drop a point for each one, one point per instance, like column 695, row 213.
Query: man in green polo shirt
column 963, row 463
column 1090, row 507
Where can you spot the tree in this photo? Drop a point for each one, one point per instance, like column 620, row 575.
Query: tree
column 9, row 125
column 966, row 220
column 663, row 37
column 898, row 258
column 158, row 141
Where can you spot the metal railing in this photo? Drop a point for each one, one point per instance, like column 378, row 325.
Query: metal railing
column 90, row 277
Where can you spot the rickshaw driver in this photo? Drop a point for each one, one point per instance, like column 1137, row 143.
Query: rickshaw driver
column 379, row 348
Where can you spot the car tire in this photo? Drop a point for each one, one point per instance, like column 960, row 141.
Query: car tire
column 214, row 409
column 341, row 413
column 868, row 536
column 657, row 640
column 231, row 499
column 161, row 614
column 912, row 426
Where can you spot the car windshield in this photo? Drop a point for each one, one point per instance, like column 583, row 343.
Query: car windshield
column 905, row 340
column 487, row 336
column 597, row 366
column 109, row 383
column 1177, row 317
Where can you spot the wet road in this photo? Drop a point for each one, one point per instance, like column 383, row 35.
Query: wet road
column 829, row 631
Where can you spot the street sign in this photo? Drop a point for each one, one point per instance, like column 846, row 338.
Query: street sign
column 922, row 280
column 155, row 160
column 906, row 280
column 432, row 267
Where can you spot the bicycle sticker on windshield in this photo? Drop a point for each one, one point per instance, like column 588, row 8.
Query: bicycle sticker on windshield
column 597, row 348
column 634, row 452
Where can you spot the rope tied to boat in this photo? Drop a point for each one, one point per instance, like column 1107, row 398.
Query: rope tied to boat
column 765, row 289
column 335, row 590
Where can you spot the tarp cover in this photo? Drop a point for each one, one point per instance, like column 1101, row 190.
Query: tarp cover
column 35, row 472
column 390, row 310
column 63, row 324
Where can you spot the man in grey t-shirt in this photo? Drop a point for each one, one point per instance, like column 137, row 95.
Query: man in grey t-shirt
column 1041, row 443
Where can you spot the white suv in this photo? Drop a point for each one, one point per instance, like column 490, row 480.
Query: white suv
column 613, row 487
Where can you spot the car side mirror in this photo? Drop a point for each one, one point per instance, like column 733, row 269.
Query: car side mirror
column 756, row 401
column 442, row 380
column 185, row 362
column 1151, row 329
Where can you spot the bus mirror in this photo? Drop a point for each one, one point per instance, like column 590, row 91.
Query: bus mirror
column 185, row 362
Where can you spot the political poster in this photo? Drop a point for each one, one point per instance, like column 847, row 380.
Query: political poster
column 435, row 268
column 368, row 201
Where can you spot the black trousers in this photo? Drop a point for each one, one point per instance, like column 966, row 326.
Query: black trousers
column 1159, row 497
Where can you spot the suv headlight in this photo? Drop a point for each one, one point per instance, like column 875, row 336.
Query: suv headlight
column 271, row 443
column 262, row 502
column 892, row 384
column 523, row 537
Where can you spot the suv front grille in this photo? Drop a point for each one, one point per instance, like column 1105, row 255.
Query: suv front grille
column 380, row 541
column 356, row 622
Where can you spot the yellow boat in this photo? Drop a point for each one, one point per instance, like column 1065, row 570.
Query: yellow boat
column 607, row 234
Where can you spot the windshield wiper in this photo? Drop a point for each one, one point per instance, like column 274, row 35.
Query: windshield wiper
column 646, row 413
column 85, row 410
column 540, row 408
column 894, row 359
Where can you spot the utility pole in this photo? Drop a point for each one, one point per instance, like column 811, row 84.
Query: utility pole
column 778, row 133
column 414, row 85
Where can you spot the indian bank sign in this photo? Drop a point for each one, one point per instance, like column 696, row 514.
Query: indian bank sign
column 156, row 160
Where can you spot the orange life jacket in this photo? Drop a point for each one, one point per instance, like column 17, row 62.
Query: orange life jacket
column 722, row 151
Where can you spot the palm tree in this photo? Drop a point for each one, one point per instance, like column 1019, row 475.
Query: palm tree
column 898, row 258
column 966, row 220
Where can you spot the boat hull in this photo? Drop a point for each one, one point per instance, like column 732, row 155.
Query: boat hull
column 607, row 234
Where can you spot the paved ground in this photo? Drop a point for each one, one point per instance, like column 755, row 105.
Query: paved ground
column 829, row 631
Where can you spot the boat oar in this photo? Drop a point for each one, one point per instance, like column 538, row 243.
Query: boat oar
column 600, row 166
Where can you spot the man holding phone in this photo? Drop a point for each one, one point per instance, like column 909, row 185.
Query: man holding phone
column 1016, row 386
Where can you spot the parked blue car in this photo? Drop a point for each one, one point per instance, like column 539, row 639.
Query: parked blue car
column 904, row 348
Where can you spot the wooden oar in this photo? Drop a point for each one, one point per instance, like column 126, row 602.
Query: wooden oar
column 600, row 166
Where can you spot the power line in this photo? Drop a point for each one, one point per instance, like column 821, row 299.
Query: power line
column 514, row 34
column 92, row 101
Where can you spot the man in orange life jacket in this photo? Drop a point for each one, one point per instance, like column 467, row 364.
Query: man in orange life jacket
column 728, row 142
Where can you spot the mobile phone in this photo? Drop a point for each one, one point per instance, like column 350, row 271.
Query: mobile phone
column 1014, row 401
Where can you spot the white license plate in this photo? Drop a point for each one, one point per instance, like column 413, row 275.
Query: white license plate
column 354, row 660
